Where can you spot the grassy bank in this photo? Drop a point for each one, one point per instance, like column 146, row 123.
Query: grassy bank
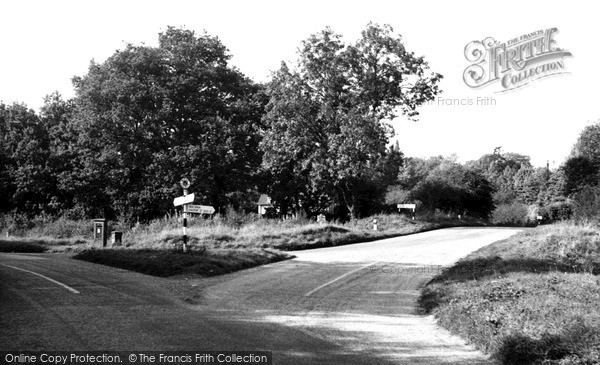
column 282, row 235
column 170, row 263
column 531, row 299
column 219, row 245
column 42, row 244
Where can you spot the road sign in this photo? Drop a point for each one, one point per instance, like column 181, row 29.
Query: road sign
column 407, row 206
column 186, row 199
column 200, row 209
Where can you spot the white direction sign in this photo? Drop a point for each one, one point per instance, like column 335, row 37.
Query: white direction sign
column 181, row 200
column 200, row 209
column 407, row 206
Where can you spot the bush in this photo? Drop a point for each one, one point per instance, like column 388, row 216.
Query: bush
column 587, row 204
column 513, row 214
column 557, row 211
column 237, row 218
column 65, row 228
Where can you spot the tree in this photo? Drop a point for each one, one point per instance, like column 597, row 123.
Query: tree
column 149, row 115
column 25, row 177
column 415, row 170
column 580, row 172
column 453, row 188
column 529, row 183
column 325, row 119
column 56, row 114
column 507, row 171
column 588, row 144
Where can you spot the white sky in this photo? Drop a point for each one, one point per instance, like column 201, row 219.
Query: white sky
column 46, row 43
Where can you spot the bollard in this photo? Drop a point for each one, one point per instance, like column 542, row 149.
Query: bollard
column 374, row 224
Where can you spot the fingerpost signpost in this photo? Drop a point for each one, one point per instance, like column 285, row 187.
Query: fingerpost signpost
column 186, row 201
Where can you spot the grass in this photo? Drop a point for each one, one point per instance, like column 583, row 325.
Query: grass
column 219, row 245
column 42, row 244
column 166, row 263
column 281, row 235
column 21, row 246
column 531, row 299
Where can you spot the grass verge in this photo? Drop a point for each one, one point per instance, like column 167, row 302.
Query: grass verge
column 22, row 246
column 44, row 244
column 221, row 245
column 286, row 235
column 531, row 299
column 165, row 263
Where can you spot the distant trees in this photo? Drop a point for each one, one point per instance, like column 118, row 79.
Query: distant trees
column 326, row 136
column 443, row 185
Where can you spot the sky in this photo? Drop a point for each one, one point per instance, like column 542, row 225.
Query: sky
column 46, row 43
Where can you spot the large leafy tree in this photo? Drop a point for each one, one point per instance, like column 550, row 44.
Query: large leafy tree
column 26, row 178
column 588, row 144
column 326, row 118
column 149, row 115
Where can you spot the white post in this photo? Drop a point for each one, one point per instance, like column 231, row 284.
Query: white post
column 375, row 224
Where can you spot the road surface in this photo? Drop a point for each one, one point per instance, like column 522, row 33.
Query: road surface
column 351, row 304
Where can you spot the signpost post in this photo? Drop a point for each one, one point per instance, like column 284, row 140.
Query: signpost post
column 186, row 201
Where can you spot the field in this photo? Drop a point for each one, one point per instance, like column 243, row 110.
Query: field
column 531, row 299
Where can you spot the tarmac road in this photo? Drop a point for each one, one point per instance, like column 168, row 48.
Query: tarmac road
column 351, row 304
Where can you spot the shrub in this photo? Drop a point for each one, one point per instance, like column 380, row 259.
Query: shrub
column 513, row 214
column 587, row 203
column 557, row 211
column 66, row 228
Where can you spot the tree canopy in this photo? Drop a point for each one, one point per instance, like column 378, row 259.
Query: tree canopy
column 327, row 117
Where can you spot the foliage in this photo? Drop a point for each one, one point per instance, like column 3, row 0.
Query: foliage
column 326, row 137
column 588, row 144
column 148, row 116
column 513, row 214
column 396, row 195
column 580, row 172
column 513, row 177
column 557, row 211
column 587, row 204
column 444, row 185
column 26, row 178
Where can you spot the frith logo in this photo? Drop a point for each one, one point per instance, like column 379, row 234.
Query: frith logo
column 514, row 63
